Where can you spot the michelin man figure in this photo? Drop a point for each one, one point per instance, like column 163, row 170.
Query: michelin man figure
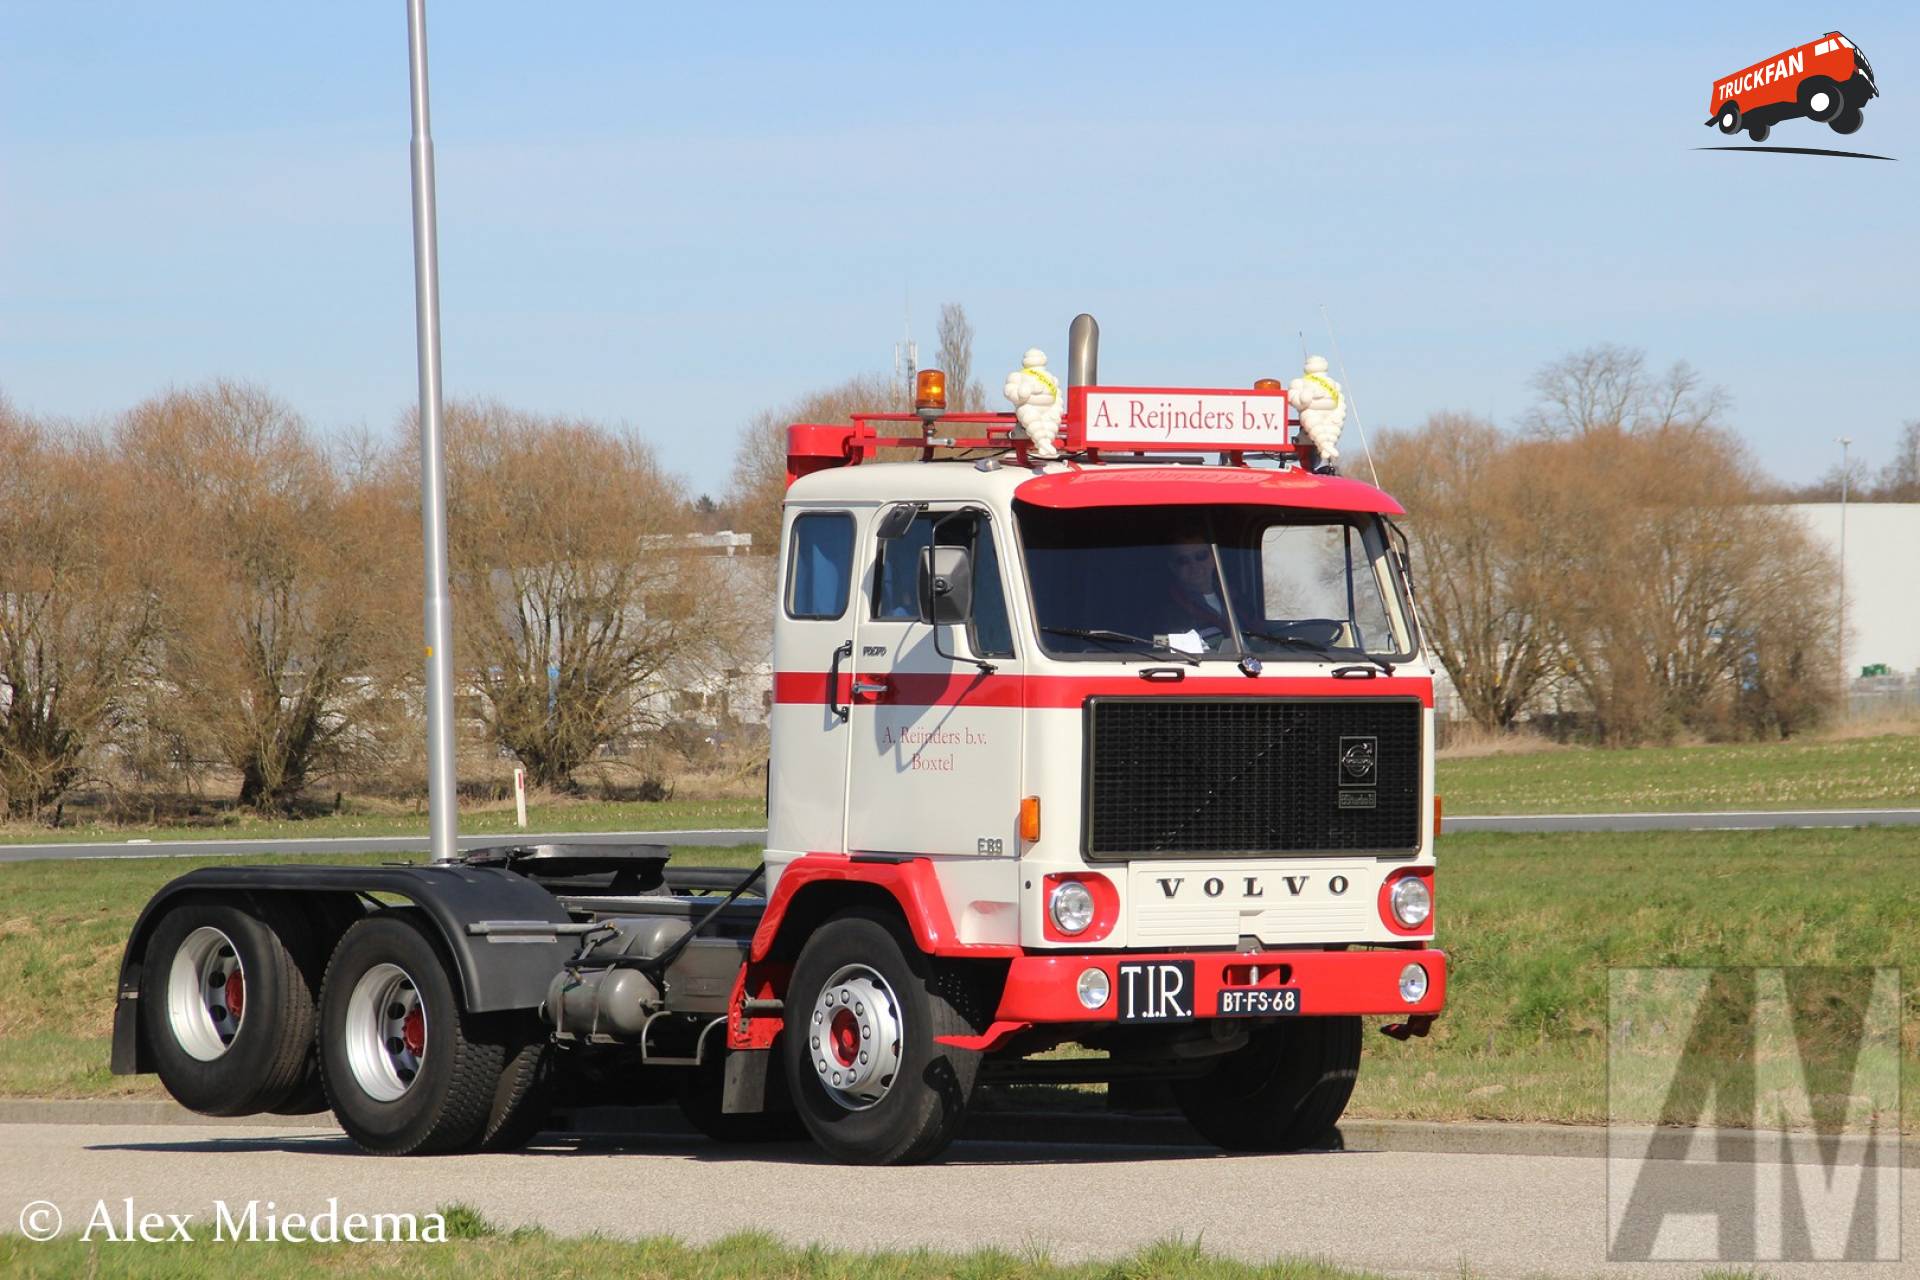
column 1323, row 409
column 1037, row 402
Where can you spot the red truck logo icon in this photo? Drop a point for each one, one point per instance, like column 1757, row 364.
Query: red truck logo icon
column 1826, row 80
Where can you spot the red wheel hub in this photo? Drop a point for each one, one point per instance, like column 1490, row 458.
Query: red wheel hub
column 846, row 1036
column 413, row 1031
column 236, row 995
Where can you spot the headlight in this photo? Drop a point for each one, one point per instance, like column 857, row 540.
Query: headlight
column 1413, row 984
column 1411, row 900
column 1071, row 907
column 1094, row 988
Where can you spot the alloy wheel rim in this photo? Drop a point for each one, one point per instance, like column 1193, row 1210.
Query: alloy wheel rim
column 206, row 994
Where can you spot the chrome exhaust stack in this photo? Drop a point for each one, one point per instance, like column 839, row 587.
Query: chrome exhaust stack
column 1083, row 351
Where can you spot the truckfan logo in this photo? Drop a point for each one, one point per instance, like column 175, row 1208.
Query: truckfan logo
column 1827, row 81
column 1358, row 757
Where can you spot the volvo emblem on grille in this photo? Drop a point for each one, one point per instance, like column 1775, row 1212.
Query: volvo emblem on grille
column 1358, row 757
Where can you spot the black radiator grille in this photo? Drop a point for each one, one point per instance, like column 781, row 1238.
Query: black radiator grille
column 1172, row 776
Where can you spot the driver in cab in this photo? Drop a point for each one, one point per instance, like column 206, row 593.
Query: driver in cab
column 1196, row 613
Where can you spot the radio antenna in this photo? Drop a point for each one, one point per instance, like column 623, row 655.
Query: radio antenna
column 1346, row 385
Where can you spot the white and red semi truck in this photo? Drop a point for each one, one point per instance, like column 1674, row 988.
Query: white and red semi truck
column 1129, row 749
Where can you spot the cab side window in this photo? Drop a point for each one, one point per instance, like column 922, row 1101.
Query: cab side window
column 896, row 577
column 820, row 565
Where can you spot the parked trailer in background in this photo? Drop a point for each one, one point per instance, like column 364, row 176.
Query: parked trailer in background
column 1130, row 748
column 1828, row 80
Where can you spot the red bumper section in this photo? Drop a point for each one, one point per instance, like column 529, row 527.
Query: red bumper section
column 1045, row 988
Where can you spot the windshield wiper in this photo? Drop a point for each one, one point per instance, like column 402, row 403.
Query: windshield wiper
column 1121, row 637
column 1325, row 651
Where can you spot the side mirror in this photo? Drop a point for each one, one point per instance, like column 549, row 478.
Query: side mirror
column 946, row 585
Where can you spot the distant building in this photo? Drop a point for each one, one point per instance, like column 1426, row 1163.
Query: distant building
column 1883, row 581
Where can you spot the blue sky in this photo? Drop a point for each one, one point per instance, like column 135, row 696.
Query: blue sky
column 671, row 217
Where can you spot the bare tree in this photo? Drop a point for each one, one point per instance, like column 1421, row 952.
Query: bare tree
column 579, row 591
column 1608, row 387
column 955, row 359
column 1477, row 560
column 759, row 483
column 1677, row 585
column 282, row 631
column 1899, row 479
column 75, row 616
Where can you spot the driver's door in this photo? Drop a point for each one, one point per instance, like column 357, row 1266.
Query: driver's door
column 935, row 762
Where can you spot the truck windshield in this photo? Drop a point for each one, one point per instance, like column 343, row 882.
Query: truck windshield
column 1223, row 582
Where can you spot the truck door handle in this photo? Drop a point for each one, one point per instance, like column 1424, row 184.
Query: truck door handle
column 833, row 681
column 875, row 687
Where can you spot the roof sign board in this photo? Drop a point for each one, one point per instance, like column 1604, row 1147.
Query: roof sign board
column 1177, row 418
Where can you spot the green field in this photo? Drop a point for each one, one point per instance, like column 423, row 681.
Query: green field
column 1532, row 924
column 1876, row 772
column 1868, row 773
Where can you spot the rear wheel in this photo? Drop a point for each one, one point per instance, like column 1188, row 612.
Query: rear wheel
column 1758, row 132
column 864, row 1066
column 407, row 1069
column 1729, row 119
column 1283, row 1092
column 228, row 1013
column 523, row 1096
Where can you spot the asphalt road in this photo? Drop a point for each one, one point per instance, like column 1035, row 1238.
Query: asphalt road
column 1749, row 820
column 1400, row 1212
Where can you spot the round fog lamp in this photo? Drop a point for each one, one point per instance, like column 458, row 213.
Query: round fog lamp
column 1094, row 988
column 1413, row 984
column 1411, row 900
column 1071, row 906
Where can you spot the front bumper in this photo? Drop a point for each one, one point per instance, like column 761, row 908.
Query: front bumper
column 1044, row 988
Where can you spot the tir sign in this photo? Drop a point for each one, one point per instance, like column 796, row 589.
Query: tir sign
column 1178, row 418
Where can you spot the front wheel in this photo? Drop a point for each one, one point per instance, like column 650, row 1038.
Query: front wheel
column 1848, row 121
column 1283, row 1092
column 405, row 1067
column 867, row 1074
column 1821, row 99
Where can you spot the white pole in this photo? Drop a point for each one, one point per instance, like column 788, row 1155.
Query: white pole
column 520, row 797
column 442, row 797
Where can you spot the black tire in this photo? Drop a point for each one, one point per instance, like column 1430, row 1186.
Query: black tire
column 924, row 1099
column 1835, row 101
column 1283, row 1092
column 701, row 1090
column 523, row 1096
column 218, row 1065
column 309, row 1097
column 1758, row 131
column 1848, row 121
column 404, row 1102
column 1729, row 119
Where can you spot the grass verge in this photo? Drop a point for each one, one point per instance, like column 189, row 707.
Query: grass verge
column 485, row 1251
column 1876, row 773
